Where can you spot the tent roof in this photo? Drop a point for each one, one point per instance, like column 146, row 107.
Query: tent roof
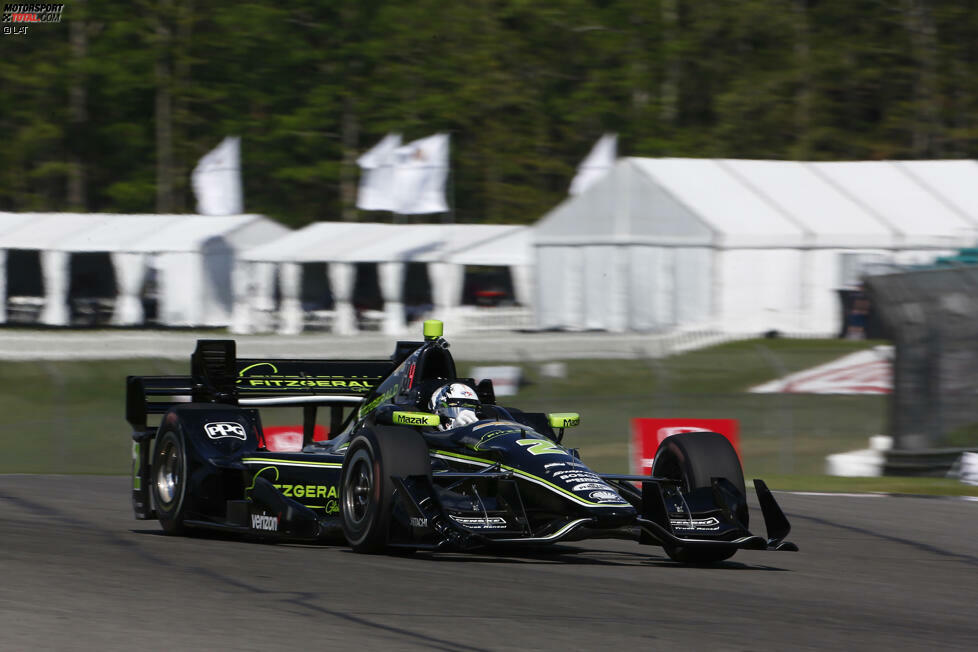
column 80, row 232
column 722, row 200
column 373, row 242
column 754, row 204
column 397, row 243
column 302, row 245
column 829, row 217
column 477, row 244
column 13, row 221
column 45, row 230
column 916, row 212
column 190, row 233
column 954, row 182
column 321, row 242
column 501, row 246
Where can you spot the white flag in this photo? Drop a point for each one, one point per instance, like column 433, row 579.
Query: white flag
column 596, row 165
column 217, row 179
column 420, row 174
column 377, row 175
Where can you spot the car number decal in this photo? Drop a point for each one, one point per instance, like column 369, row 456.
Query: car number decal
column 540, row 446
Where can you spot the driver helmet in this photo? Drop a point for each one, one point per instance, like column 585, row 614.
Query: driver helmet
column 456, row 403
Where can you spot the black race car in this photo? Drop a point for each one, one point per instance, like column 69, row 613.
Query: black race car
column 389, row 478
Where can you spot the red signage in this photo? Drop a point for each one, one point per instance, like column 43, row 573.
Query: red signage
column 284, row 439
column 647, row 434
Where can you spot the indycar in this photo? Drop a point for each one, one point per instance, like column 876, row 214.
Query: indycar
column 389, row 478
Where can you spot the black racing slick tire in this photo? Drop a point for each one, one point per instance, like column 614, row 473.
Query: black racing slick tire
column 695, row 458
column 366, row 488
column 169, row 480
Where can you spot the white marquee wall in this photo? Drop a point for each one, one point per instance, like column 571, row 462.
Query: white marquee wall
column 445, row 249
column 193, row 256
column 740, row 246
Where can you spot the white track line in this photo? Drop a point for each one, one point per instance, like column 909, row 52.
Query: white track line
column 829, row 494
column 834, row 494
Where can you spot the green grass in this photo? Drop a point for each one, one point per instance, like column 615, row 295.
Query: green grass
column 780, row 433
column 68, row 417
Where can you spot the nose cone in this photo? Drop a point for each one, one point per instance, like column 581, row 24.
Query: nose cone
column 613, row 517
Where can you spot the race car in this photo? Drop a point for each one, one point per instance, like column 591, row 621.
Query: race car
column 393, row 476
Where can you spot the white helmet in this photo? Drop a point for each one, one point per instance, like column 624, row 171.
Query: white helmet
column 456, row 402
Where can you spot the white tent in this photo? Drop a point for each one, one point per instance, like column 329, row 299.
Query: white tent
column 740, row 245
column 192, row 256
column 446, row 249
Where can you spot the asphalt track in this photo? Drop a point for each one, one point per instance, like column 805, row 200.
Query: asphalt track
column 76, row 572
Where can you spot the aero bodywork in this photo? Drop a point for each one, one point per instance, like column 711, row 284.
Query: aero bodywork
column 388, row 478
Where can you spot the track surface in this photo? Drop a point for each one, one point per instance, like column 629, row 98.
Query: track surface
column 76, row 572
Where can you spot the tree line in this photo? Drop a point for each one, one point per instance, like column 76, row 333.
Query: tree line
column 110, row 110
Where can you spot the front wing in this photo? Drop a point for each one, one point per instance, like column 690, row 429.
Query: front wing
column 422, row 521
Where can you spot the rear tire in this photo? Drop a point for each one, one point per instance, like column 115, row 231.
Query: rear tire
column 695, row 458
column 169, row 480
column 366, row 488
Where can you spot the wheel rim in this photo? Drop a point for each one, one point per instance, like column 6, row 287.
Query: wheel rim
column 170, row 473
column 357, row 492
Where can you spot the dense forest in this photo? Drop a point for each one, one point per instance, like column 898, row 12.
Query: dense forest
column 111, row 109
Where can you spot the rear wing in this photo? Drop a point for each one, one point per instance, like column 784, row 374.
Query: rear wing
column 258, row 377
column 218, row 376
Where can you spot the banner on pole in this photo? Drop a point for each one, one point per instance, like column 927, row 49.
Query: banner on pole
column 597, row 164
column 217, row 180
column 377, row 175
column 406, row 179
column 647, row 434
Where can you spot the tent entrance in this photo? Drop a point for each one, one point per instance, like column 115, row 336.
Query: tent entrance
column 25, row 286
column 91, row 289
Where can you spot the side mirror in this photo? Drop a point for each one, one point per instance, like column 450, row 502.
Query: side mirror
column 563, row 419
column 560, row 420
column 418, row 419
column 485, row 392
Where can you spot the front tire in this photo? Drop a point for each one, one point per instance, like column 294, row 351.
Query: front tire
column 169, row 480
column 366, row 488
column 694, row 459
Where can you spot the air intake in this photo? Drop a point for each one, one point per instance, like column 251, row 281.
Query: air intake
column 213, row 370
